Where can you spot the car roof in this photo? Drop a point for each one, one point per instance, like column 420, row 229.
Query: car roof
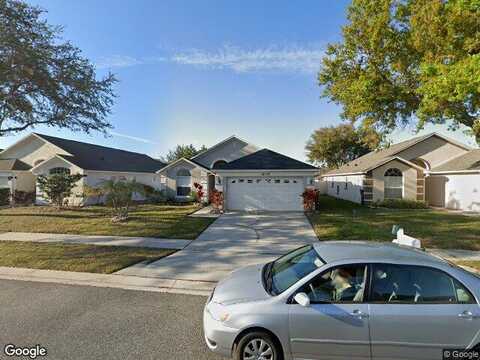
column 369, row 251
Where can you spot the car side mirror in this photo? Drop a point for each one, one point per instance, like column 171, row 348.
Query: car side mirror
column 302, row 299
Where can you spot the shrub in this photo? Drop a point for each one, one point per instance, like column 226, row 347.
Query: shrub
column 153, row 195
column 119, row 196
column 56, row 188
column 310, row 199
column 198, row 193
column 4, row 196
column 401, row 204
column 23, row 197
column 216, row 199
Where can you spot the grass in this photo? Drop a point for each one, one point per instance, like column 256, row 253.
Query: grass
column 342, row 220
column 473, row 264
column 75, row 257
column 162, row 221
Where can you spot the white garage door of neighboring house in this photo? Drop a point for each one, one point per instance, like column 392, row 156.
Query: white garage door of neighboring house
column 273, row 194
column 4, row 182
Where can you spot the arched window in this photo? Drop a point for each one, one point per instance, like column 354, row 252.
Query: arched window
column 393, row 184
column 184, row 182
column 218, row 164
column 59, row 171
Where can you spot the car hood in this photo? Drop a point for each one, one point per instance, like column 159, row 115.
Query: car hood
column 241, row 285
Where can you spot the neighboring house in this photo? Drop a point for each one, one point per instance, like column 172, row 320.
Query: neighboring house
column 38, row 154
column 431, row 168
column 250, row 179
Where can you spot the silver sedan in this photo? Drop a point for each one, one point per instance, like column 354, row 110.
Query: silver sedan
column 345, row 300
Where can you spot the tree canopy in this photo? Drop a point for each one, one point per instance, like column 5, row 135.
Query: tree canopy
column 403, row 61
column 335, row 146
column 184, row 151
column 44, row 80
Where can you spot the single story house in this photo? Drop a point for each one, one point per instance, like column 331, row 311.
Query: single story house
column 38, row 154
column 250, row 178
column 431, row 168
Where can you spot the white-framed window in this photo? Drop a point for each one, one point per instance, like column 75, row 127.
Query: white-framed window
column 59, row 171
column 393, row 184
column 184, row 182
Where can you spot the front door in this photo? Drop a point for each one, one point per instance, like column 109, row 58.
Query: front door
column 335, row 325
column 416, row 312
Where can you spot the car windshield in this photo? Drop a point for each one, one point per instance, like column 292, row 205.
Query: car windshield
column 290, row 268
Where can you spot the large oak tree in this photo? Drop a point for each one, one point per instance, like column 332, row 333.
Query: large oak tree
column 334, row 146
column 44, row 80
column 403, row 61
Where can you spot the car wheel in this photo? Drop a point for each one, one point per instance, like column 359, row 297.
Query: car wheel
column 257, row 346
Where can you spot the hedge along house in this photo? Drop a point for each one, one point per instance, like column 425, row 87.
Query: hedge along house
column 250, row 178
column 38, row 154
column 402, row 171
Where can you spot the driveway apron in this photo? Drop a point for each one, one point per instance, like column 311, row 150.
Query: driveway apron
column 232, row 241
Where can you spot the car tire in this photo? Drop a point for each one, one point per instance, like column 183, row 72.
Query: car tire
column 257, row 342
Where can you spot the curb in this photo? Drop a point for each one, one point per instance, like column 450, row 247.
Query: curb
column 200, row 288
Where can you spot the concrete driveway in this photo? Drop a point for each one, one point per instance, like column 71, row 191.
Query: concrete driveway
column 232, row 241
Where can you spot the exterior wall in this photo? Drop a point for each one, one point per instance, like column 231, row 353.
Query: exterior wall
column 345, row 187
column 321, row 185
column 458, row 191
column 198, row 175
column 31, row 150
column 409, row 180
column 25, row 181
column 228, row 151
column 434, row 150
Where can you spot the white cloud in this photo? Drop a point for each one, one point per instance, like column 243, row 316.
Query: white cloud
column 292, row 59
column 134, row 138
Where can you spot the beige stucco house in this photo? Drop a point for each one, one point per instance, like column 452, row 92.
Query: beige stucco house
column 431, row 168
column 38, row 154
column 250, row 178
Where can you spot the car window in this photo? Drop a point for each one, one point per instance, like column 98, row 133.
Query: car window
column 416, row 284
column 293, row 267
column 337, row 285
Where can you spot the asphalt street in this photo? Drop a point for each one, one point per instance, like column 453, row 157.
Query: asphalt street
column 82, row 322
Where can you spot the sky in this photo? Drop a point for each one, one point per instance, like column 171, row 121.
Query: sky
column 197, row 72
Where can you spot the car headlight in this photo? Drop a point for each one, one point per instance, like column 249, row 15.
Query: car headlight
column 218, row 311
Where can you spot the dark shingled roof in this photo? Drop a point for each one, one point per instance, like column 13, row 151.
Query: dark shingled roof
column 101, row 158
column 468, row 161
column 13, row 164
column 265, row 159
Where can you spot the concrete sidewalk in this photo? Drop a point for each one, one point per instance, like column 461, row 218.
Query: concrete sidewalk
column 156, row 243
column 202, row 288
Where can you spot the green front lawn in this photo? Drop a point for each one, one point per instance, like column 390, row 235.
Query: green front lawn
column 75, row 257
column 163, row 221
column 343, row 220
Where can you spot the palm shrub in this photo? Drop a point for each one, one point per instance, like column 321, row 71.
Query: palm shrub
column 119, row 196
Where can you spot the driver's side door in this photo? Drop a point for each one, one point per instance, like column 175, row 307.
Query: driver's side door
column 335, row 324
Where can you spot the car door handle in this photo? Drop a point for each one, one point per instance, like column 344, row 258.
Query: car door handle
column 467, row 315
column 359, row 314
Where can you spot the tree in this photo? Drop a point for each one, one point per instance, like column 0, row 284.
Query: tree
column 404, row 61
column 334, row 146
column 44, row 80
column 118, row 195
column 56, row 188
column 183, row 151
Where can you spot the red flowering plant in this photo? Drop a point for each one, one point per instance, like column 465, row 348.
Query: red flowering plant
column 199, row 191
column 216, row 199
column 310, row 197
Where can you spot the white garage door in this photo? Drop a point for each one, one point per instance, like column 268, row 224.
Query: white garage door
column 258, row 193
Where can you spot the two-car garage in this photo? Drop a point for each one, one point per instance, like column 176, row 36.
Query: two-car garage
column 265, row 193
